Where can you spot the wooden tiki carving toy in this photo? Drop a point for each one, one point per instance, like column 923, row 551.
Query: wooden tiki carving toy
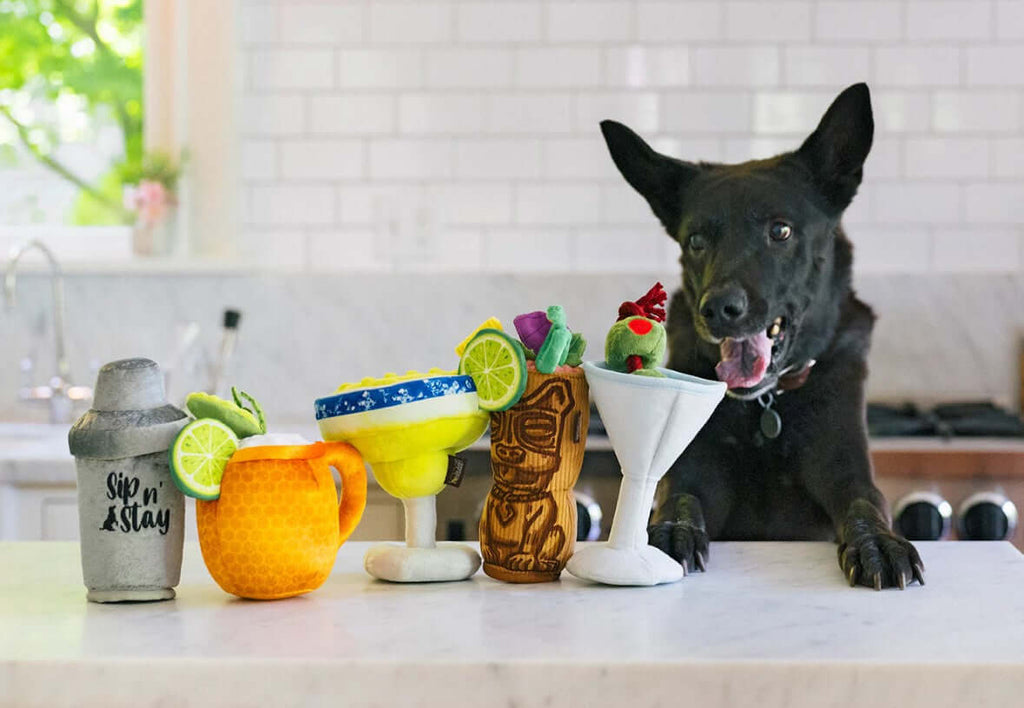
column 528, row 527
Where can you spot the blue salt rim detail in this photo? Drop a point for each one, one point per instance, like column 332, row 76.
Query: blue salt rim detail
column 367, row 399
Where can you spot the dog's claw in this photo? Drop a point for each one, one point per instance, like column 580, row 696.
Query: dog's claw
column 919, row 573
column 685, row 542
column 878, row 558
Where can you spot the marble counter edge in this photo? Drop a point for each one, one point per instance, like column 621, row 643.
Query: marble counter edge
column 525, row 683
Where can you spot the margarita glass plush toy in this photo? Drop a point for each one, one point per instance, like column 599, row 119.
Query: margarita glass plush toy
column 651, row 415
column 408, row 428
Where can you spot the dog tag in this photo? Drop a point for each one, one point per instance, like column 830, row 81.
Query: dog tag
column 771, row 423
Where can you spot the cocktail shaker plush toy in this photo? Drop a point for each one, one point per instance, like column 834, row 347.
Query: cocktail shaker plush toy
column 131, row 515
column 528, row 526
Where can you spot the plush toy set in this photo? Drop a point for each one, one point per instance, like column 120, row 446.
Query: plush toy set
column 269, row 520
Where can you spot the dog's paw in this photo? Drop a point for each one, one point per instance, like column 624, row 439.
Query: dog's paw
column 880, row 560
column 686, row 542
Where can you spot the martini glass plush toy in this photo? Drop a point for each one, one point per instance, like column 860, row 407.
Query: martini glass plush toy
column 651, row 415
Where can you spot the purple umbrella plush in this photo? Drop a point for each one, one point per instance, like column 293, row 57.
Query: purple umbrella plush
column 532, row 328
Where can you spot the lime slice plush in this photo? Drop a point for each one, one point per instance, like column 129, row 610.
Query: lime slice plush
column 243, row 422
column 498, row 367
column 199, row 455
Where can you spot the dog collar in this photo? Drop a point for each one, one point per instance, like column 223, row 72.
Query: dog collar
column 794, row 379
column 789, row 379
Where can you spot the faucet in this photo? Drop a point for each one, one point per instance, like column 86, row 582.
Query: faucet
column 59, row 393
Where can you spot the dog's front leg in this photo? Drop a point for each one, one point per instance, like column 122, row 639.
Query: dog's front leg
column 678, row 529
column 698, row 486
column 870, row 554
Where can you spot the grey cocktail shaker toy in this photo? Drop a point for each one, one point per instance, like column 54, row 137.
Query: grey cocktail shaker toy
column 131, row 515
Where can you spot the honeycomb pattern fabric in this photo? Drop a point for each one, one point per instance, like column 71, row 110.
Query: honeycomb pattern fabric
column 275, row 530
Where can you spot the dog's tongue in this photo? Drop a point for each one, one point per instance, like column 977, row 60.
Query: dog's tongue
column 744, row 361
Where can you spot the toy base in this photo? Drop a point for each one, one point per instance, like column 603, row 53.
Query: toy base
column 401, row 564
column 645, row 565
column 520, row 576
column 133, row 595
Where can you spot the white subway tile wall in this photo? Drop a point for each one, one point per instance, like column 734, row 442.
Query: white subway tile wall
column 463, row 135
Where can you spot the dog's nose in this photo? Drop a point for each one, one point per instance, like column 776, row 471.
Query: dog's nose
column 724, row 305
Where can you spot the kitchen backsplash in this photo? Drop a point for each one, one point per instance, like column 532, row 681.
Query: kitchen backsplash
column 302, row 335
column 463, row 135
column 411, row 167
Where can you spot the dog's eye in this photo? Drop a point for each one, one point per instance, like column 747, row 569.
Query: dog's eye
column 697, row 243
column 780, row 231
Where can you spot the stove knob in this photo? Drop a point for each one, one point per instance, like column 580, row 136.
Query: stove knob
column 987, row 516
column 456, row 530
column 588, row 517
column 922, row 516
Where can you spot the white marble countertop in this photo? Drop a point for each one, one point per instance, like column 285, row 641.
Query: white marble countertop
column 771, row 625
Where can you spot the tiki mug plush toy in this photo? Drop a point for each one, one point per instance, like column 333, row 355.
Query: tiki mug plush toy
column 528, row 527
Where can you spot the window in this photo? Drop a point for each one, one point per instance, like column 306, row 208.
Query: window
column 98, row 101
column 71, row 110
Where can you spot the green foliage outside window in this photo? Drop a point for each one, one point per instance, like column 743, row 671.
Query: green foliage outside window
column 81, row 50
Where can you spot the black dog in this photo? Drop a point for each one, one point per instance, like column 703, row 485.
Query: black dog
column 766, row 296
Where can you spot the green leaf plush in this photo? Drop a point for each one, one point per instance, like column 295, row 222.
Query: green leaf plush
column 577, row 347
column 241, row 398
column 242, row 422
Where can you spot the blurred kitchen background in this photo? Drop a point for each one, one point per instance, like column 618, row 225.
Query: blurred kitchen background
column 365, row 181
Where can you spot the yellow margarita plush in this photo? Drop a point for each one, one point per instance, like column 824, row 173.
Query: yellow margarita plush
column 407, row 428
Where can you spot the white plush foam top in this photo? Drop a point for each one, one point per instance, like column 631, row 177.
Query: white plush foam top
column 272, row 439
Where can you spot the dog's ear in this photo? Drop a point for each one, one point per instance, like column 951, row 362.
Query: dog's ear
column 836, row 150
column 658, row 178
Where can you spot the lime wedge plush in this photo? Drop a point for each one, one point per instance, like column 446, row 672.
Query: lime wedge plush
column 199, row 455
column 498, row 367
column 243, row 422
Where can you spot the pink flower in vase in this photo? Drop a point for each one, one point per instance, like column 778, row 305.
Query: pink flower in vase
column 150, row 200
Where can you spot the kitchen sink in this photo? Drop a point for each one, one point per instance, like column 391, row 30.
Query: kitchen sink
column 35, row 441
column 32, row 431
column 37, row 483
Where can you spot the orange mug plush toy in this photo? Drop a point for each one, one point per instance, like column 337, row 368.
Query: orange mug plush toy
column 276, row 528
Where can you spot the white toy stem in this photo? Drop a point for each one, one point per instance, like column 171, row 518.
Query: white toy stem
column 423, row 559
column 420, row 522
column 629, row 526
